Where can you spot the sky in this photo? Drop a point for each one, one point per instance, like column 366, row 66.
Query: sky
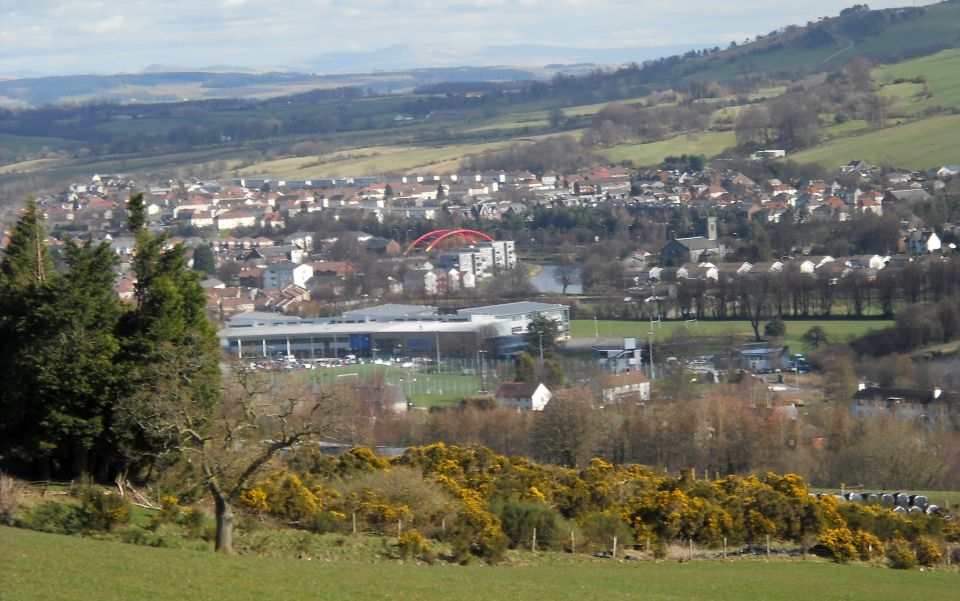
column 50, row 37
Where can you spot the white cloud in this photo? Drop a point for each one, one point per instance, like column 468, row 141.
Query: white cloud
column 134, row 33
column 108, row 25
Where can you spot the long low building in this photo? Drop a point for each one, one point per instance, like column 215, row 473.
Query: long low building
column 384, row 331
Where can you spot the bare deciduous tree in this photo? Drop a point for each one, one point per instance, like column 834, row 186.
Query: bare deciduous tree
column 255, row 421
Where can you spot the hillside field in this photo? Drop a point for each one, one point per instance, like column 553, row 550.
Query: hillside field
column 707, row 143
column 838, row 330
column 941, row 69
column 915, row 145
column 43, row 566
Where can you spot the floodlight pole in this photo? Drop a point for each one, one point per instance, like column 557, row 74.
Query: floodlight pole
column 653, row 374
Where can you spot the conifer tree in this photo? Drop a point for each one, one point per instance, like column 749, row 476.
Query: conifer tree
column 24, row 274
column 170, row 351
column 526, row 368
column 74, row 368
column 57, row 337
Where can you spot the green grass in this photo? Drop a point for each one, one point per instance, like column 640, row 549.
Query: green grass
column 32, row 144
column 941, row 69
column 369, row 161
column 709, row 143
column 143, row 126
column 837, row 330
column 42, row 566
column 916, row 145
column 854, row 126
column 423, row 389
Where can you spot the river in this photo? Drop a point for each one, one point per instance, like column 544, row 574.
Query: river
column 544, row 281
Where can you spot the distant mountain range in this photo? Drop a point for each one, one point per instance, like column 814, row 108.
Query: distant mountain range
column 390, row 69
column 535, row 56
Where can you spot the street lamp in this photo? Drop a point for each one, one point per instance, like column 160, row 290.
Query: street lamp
column 483, row 380
column 653, row 374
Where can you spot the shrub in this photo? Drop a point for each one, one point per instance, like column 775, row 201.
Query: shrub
column 326, row 521
column 899, row 553
column 102, row 511
column 868, row 546
column 195, row 521
column 840, row 543
column 951, row 532
column 775, row 328
column 659, row 548
column 11, row 495
column 928, row 553
column 55, row 517
column 600, row 528
column 381, row 497
column 520, row 518
column 412, row 545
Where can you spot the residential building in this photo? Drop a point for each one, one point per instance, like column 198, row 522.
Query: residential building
column 279, row 275
column 523, row 396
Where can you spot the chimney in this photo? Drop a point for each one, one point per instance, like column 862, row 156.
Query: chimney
column 937, row 392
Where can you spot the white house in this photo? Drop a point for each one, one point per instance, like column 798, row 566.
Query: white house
column 523, row 396
column 813, row 263
column 234, row 219
column 921, row 243
column 284, row 273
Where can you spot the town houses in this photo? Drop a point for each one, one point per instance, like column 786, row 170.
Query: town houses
column 253, row 226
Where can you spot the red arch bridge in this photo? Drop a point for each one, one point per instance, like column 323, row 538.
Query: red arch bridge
column 430, row 240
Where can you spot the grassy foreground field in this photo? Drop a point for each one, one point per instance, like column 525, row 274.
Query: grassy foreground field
column 838, row 330
column 37, row 566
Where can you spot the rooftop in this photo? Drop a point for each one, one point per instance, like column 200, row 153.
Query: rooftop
column 511, row 308
column 391, row 311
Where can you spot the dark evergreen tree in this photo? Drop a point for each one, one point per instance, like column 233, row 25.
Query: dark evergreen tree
column 56, row 332
column 203, row 260
column 169, row 350
column 541, row 336
column 553, row 374
column 24, row 275
column 74, row 368
column 526, row 368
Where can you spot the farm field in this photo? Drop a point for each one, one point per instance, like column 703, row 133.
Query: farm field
column 837, row 329
column 942, row 71
column 709, row 144
column 367, row 161
column 915, row 145
column 40, row 566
